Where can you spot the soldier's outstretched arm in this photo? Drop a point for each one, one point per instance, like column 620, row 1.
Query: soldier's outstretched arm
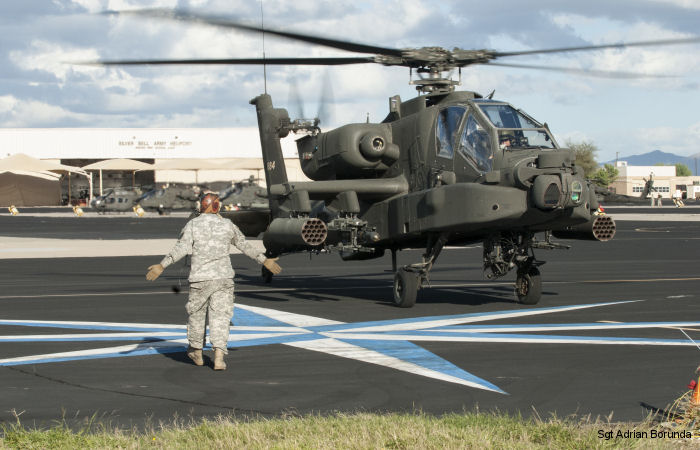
column 241, row 244
column 182, row 247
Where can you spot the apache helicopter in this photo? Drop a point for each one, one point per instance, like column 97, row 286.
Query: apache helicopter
column 169, row 198
column 245, row 194
column 445, row 168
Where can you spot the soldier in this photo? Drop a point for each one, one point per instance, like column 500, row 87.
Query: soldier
column 208, row 238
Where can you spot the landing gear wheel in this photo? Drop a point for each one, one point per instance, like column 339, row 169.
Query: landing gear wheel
column 528, row 286
column 405, row 288
column 266, row 275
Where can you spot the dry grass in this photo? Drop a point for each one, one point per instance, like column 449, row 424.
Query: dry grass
column 352, row 431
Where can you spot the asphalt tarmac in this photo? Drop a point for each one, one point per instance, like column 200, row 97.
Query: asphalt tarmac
column 611, row 336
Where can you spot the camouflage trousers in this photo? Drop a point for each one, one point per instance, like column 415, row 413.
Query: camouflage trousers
column 213, row 297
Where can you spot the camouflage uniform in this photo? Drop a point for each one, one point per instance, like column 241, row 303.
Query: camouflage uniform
column 208, row 239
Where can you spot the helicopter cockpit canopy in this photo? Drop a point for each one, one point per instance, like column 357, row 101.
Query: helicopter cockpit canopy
column 515, row 129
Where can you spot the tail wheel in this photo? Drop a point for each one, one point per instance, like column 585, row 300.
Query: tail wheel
column 528, row 286
column 405, row 288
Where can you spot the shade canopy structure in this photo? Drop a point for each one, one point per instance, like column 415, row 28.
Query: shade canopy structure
column 20, row 188
column 119, row 164
column 194, row 164
column 197, row 164
column 26, row 163
column 22, row 162
column 247, row 164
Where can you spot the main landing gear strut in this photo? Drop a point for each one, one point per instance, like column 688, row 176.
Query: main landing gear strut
column 502, row 253
column 507, row 251
column 409, row 279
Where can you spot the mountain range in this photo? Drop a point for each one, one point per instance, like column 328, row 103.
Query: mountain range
column 658, row 157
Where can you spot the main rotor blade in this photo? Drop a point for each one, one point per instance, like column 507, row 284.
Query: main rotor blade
column 219, row 22
column 603, row 46
column 591, row 72
column 295, row 98
column 234, row 61
column 325, row 103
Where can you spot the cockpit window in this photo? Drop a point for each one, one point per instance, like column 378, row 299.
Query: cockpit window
column 505, row 116
column 447, row 127
column 516, row 130
column 475, row 145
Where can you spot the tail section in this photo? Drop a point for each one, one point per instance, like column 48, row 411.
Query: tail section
column 273, row 124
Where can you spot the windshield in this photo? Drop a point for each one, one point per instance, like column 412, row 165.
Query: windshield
column 505, row 116
column 516, row 130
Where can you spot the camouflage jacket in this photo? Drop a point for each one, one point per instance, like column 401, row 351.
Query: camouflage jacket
column 208, row 239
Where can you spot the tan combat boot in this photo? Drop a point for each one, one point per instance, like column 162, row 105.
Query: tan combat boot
column 219, row 363
column 195, row 354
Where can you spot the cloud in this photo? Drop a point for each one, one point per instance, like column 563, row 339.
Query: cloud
column 54, row 59
column 218, row 96
column 16, row 113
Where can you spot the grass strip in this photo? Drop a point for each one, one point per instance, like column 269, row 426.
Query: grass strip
column 351, row 431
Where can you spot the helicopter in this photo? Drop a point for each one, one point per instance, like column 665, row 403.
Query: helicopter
column 169, row 198
column 447, row 167
column 115, row 200
column 244, row 194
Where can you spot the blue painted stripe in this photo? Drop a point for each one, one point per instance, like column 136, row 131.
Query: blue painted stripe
column 489, row 315
column 622, row 325
column 275, row 340
column 409, row 352
column 492, row 336
column 243, row 317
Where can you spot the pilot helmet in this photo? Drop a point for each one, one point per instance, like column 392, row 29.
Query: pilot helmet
column 210, row 199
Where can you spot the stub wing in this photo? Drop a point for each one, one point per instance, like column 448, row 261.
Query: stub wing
column 251, row 222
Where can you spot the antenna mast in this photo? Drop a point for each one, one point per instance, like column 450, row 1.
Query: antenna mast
column 262, row 26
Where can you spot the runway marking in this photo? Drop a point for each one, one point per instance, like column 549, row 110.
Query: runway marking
column 676, row 326
column 388, row 343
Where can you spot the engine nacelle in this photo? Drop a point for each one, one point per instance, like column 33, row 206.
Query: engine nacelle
column 360, row 150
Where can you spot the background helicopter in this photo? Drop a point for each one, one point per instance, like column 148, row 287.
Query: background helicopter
column 244, row 194
column 170, row 198
column 239, row 195
column 446, row 167
column 116, row 200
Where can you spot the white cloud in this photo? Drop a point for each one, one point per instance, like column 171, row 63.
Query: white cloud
column 7, row 103
column 92, row 6
column 16, row 113
column 121, row 5
column 688, row 4
column 52, row 58
column 681, row 141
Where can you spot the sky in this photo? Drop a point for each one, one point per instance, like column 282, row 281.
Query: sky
column 40, row 88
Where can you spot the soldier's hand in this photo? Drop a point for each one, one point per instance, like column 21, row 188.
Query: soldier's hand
column 271, row 265
column 154, row 272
